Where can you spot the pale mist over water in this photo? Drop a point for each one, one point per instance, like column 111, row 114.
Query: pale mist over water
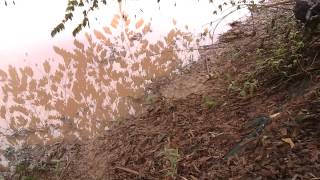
column 61, row 87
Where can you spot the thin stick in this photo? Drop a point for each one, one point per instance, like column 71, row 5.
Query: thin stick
column 62, row 172
column 225, row 16
column 207, row 66
column 128, row 170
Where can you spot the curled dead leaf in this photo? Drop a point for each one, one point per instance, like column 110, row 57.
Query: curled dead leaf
column 289, row 141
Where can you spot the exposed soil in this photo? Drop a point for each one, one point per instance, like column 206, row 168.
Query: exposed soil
column 195, row 126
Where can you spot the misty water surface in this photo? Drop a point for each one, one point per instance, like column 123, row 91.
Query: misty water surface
column 68, row 88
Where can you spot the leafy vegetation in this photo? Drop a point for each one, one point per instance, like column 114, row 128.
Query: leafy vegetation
column 88, row 6
column 288, row 57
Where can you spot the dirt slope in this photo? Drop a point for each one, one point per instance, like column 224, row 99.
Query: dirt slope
column 229, row 116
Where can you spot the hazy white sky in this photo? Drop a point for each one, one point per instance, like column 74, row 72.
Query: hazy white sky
column 26, row 26
column 29, row 21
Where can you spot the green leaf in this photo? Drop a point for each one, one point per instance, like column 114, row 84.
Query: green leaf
column 73, row 3
column 77, row 30
column 57, row 29
column 68, row 16
column 81, row 3
column 85, row 22
column 95, row 4
column 243, row 93
column 70, row 8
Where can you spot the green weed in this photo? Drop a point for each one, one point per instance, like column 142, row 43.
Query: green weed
column 173, row 156
column 247, row 88
column 209, row 102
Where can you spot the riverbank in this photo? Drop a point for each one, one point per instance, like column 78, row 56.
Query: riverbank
column 248, row 109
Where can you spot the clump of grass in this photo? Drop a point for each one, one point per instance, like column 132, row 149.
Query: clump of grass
column 246, row 89
column 149, row 99
column 25, row 167
column 173, row 156
column 22, row 169
column 209, row 102
column 249, row 87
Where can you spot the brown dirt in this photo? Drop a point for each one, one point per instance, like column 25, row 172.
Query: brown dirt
column 183, row 135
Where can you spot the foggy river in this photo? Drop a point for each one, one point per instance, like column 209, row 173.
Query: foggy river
column 66, row 88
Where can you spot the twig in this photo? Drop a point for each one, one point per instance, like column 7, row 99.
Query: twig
column 225, row 16
column 252, row 19
column 274, row 5
column 207, row 67
column 314, row 59
column 62, row 172
column 128, row 170
column 314, row 41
